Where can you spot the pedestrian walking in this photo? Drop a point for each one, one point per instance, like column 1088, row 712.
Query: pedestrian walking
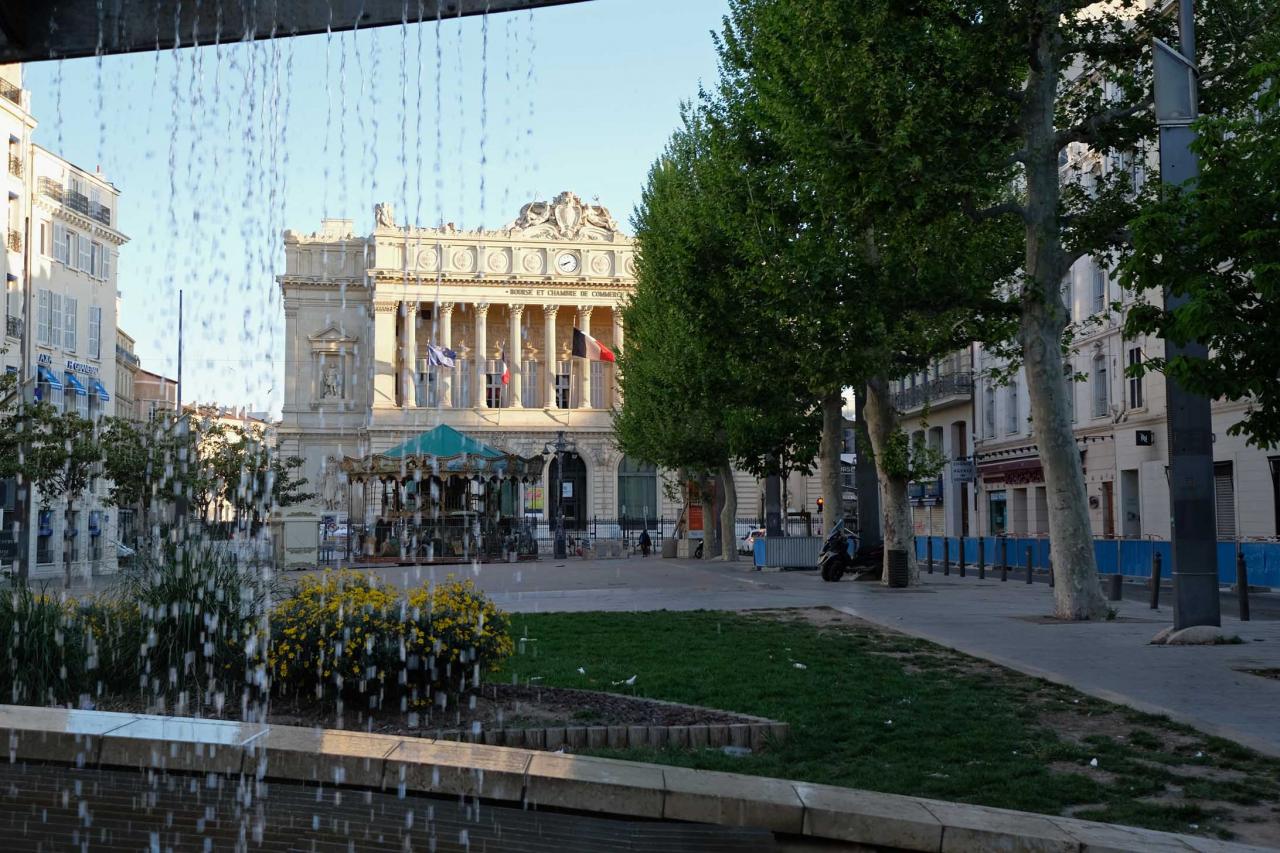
column 645, row 543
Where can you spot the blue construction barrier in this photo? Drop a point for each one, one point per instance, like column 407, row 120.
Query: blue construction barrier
column 1133, row 557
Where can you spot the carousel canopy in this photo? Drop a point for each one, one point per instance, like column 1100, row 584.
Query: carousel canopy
column 444, row 451
column 444, row 442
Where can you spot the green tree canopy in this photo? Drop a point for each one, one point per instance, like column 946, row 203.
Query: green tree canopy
column 1219, row 245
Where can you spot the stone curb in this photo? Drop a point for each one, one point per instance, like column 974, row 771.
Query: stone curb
column 747, row 731
column 803, row 815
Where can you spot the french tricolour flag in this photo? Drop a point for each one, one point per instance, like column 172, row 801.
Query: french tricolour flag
column 506, row 371
column 585, row 346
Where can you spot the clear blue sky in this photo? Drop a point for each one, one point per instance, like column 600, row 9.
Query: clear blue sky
column 215, row 153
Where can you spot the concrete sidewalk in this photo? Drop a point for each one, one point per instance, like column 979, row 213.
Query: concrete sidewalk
column 1207, row 687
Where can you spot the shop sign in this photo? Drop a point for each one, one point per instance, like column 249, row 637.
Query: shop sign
column 81, row 367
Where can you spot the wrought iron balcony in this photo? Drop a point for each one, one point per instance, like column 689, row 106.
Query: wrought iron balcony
column 15, row 240
column 934, row 390
column 926, row 491
column 12, row 326
column 11, row 92
column 79, row 202
column 126, row 356
column 51, row 188
column 15, row 165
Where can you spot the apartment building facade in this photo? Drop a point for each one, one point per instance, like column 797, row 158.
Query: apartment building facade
column 62, row 242
column 936, row 409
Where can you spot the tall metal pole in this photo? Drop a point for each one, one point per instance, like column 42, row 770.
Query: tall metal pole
column 179, row 388
column 1190, row 422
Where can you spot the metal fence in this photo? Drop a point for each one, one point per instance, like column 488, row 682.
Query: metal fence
column 1114, row 555
column 449, row 541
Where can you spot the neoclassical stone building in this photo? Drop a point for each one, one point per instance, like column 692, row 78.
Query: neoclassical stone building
column 361, row 314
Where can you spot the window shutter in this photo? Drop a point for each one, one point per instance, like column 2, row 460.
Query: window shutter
column 95, row 331
column 1224, row 500
column 69, row 324
column 55, row 319
column 86, row 255
column 42, row 319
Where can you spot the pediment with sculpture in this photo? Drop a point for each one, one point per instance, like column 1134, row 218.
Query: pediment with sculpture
column 565, row 217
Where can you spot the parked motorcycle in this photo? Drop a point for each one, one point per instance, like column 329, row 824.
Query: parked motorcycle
column 834, row 559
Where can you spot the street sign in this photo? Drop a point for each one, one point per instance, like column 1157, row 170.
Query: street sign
column 963, row 471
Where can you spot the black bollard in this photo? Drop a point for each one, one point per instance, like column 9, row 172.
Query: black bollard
column 1117, row 587
column 1004, row 559
column 1028, row 564
column 1155, row 581
column 961, row 541
column 1242, row 586
column 946, row 556
column 928, row 550
column 982, row 560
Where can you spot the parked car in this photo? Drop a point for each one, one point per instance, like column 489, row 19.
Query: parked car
column 748, row 544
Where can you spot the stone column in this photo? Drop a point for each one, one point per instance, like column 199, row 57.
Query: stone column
column 444, row 375
column 515, row 355
column 409, row 354
column 384, row 353
column 549, row 354
column 584, row 394
column 480, row 368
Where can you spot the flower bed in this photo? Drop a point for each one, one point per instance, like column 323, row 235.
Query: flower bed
column 342, row 635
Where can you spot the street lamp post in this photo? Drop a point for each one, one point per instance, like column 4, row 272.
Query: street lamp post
column 1190, row 435
column 559, row 447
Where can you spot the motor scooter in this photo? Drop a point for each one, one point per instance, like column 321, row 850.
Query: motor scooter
column 834, row 558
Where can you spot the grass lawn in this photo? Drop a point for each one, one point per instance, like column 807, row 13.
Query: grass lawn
column 877, row 710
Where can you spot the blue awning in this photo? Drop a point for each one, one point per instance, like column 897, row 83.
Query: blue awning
column 101, row 391
column 47, row 375
column 73, row 384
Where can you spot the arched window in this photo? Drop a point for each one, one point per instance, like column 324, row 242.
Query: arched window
column 1101, row 388
column 637, row 490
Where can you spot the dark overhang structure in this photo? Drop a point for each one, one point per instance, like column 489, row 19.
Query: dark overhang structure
column 35, row 30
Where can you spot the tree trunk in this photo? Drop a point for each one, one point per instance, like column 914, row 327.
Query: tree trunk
column 882, row 424
column 66, row 546
column 1076, row 591
column 728, row 515
column 707, row 497
column 829, row 460
column 865, row 479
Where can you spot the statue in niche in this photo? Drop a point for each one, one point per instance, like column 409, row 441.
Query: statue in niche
column 384, row 214
column 333, row 491
column 332, row 382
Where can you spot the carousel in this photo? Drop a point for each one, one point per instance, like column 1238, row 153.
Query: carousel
column 442, row 497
